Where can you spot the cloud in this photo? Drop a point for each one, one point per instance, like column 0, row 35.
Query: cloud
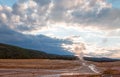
column 98, row 14
column 25, row 15
column 43, row 2
column 82, row 48
column 28, row 15
column 89, row 19
column 116, row 55
column 84, row 13
column 39, row 42
column 3, row 17
column 106, row 53
column 113, row 33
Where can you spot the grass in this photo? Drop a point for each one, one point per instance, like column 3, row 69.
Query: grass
column 107, row 64
column 37, row 63
column 54, row 65
column 82, row 76
column 111, row 71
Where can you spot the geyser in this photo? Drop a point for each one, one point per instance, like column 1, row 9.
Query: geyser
column 85, row 67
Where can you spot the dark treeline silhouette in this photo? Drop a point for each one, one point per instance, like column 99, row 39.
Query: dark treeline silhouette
column 15, row 52
column 100, row 59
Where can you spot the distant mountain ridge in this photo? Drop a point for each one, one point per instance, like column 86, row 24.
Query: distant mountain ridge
column 100, row 59
column 15, row 52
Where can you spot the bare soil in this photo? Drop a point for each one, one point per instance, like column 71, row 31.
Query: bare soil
column 53, row 68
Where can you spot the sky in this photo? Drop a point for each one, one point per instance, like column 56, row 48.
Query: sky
column 91, row 27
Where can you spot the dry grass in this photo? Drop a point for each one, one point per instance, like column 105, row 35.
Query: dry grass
column 82, row 75
column 107, row 64
column 37, row 63
column 49, row 64
column 53, row 65
column 111, row 71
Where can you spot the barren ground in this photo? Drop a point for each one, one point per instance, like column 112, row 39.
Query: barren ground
column 53, row 68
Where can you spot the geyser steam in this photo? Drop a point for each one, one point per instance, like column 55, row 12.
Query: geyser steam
column 79, row 50
column 87, row 68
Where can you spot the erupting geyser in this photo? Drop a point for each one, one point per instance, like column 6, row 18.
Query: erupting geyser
column 79, row 49
column 85, row 68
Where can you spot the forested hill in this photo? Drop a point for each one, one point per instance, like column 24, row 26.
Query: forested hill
column 15, row 52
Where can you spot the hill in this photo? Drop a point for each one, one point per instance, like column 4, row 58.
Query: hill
column 100, row 59
column 15, row 52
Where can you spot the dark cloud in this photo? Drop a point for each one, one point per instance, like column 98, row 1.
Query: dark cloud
column 40, row 42
column 86, row 13
column 43, row 2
